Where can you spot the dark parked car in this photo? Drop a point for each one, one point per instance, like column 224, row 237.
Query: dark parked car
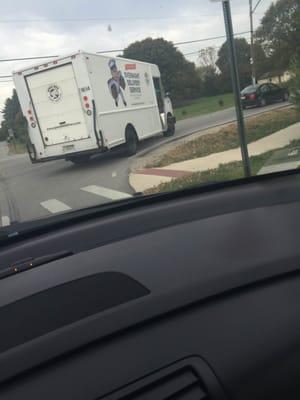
column 261, row 95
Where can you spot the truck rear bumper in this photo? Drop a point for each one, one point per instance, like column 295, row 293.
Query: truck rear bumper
column 66, row 156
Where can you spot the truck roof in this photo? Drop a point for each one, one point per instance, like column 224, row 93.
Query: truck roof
column 59, row 58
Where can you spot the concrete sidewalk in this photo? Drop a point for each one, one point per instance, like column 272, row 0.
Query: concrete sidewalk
column 144, row 179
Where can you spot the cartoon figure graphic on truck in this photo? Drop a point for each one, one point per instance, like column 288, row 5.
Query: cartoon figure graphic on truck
column 117, row 83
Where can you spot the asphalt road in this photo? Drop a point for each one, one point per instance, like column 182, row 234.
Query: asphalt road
column 34, row 191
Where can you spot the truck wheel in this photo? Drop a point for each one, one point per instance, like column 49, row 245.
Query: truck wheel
column 131, row 142
column 262, row 102
column 79, row 160
column 171, row 126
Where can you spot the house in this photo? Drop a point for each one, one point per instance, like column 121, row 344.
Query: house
column 275, row 77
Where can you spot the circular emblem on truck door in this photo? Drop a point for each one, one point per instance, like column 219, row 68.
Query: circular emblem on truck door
column 54, row 93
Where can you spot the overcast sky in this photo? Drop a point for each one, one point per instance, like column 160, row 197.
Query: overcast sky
column 39, row 27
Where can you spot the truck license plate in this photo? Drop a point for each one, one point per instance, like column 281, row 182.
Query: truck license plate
column 69, row 147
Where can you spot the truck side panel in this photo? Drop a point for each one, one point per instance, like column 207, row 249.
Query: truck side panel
column 124, row 94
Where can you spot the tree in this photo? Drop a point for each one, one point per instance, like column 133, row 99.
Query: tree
column 208, row 57
column 210, row 80
column 178, row 75
column 262, row 64
column 295, row 82
column 243, row 57
column 13, row 119
column 279, row 33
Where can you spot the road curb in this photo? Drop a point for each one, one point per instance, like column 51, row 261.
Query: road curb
column 175, row 139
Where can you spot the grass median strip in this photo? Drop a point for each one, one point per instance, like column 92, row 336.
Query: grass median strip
column 225, row 172
column 227, row 137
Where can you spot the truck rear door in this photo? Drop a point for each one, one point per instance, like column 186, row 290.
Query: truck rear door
column 57, row 104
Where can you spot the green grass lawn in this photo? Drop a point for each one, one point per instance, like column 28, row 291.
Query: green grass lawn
column 225, row 172
column 227, row 138
column 205, row 105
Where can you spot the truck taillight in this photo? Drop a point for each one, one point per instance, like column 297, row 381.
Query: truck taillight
column 29, row 112
column 252, row 96
column 85, row 98
column 87, row 105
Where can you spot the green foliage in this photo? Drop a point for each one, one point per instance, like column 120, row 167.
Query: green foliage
column 225, row 172
column 227, row 138
column 279, row 33
column 13, row 119
column 178, row 75
column 243, row 57
column 295, row 82
column 210, row 80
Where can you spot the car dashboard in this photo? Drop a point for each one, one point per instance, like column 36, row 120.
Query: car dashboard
column 196, row 297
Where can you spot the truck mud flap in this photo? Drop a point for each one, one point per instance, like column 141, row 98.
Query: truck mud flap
column 32, row 152
column 100, row 141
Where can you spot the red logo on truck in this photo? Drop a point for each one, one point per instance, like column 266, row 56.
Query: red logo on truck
column 130, row 66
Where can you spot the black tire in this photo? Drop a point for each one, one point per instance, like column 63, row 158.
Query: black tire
column 79, row 160
column 262, row 102
column 131, row 142
column 244, row 107
column 171, row 126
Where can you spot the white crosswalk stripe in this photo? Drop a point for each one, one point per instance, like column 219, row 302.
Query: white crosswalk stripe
column 5, row 221
column 55, row 206
column 105, row 192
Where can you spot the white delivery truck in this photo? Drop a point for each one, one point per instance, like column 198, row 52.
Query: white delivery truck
column 85, row 103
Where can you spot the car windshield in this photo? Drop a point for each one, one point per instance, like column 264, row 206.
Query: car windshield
column 108, row 105
column 250, row 89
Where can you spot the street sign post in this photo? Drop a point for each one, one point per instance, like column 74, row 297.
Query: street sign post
column 236, row 84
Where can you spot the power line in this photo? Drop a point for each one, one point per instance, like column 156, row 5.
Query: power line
column 109, row 51
column 258, row 3
column 118, row 50
column 90, row 19
column 27, row 58
column 208, row 39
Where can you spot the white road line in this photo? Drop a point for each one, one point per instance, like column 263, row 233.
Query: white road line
column 55, row 206
column 107, row 193
column 5, row 221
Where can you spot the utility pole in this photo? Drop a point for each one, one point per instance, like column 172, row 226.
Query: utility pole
column 252, row 61
column 236, row 85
